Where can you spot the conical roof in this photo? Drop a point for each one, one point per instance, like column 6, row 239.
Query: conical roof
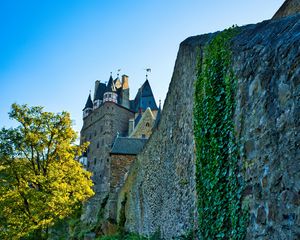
column 145, row 98
column 89, row 103
column 110, row 85
column 100, row 91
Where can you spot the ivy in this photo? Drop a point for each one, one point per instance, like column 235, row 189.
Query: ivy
column 218, row 186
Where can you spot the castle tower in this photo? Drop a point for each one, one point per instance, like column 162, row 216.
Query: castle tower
column 110, row 94
column 88, row 107
column 99, row 92
column 112, row 116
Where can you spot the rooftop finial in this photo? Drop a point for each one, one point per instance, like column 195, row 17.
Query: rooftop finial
column 119, row 70
column 159, row 103
column 90, row 91
column 147, row 70
column 110, row 73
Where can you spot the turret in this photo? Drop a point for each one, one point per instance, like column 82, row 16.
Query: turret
column 100, row 89
column 88, row 107
column 110, row 94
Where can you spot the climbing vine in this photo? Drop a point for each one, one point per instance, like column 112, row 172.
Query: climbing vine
column 218, row 186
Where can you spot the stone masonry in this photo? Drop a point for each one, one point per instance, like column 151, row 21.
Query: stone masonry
column 160, row 189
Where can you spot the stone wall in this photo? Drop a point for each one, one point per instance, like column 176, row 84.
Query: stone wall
column 160, row 190
column 289, row 7
column 119, row 165
column 267, row 64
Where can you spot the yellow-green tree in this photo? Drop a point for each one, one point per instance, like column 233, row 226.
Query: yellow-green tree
column 40, row 180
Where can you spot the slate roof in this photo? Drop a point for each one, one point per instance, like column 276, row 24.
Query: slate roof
column 100, row 91
column 144, row 98
column 89, row 103
column 137, row 119
column 109, row 87
column 128, row 146
column 119, row 93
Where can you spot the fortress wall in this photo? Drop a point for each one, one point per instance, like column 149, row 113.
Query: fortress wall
column 161, row 194
column 161, row 188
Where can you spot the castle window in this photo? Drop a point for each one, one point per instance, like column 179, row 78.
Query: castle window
column 97, row 144
column 95, row 159
column 109, row 95
column 107, row 160
column 147, row 124
column 143, row 136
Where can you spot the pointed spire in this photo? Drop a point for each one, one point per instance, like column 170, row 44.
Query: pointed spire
column 89, row 102
column 109, row 87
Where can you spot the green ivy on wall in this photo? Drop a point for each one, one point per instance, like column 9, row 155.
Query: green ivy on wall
column 218, row 186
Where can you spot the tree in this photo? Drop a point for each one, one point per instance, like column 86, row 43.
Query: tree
column 40, row 180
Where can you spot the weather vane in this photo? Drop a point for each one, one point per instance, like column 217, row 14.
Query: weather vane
column 148, row 70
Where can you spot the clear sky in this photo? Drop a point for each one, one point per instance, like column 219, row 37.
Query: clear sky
column 52, row 51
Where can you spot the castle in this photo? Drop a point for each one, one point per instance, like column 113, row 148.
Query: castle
column 117, row 129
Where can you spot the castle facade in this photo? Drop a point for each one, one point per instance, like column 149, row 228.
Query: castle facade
column 117, row 128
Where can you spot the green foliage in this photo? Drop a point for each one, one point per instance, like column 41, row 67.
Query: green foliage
column 218, row 186
column 41, row 182
column 123, row 236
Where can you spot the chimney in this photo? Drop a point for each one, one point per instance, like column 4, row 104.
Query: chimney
column 97, row 82
column 125, row 92
column 125, row 84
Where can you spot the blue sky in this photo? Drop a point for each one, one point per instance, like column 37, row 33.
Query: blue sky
column 51, row 52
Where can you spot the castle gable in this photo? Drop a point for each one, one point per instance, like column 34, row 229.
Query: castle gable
column 145, row 125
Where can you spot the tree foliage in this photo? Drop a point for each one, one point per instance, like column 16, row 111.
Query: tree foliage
column 40, row 180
